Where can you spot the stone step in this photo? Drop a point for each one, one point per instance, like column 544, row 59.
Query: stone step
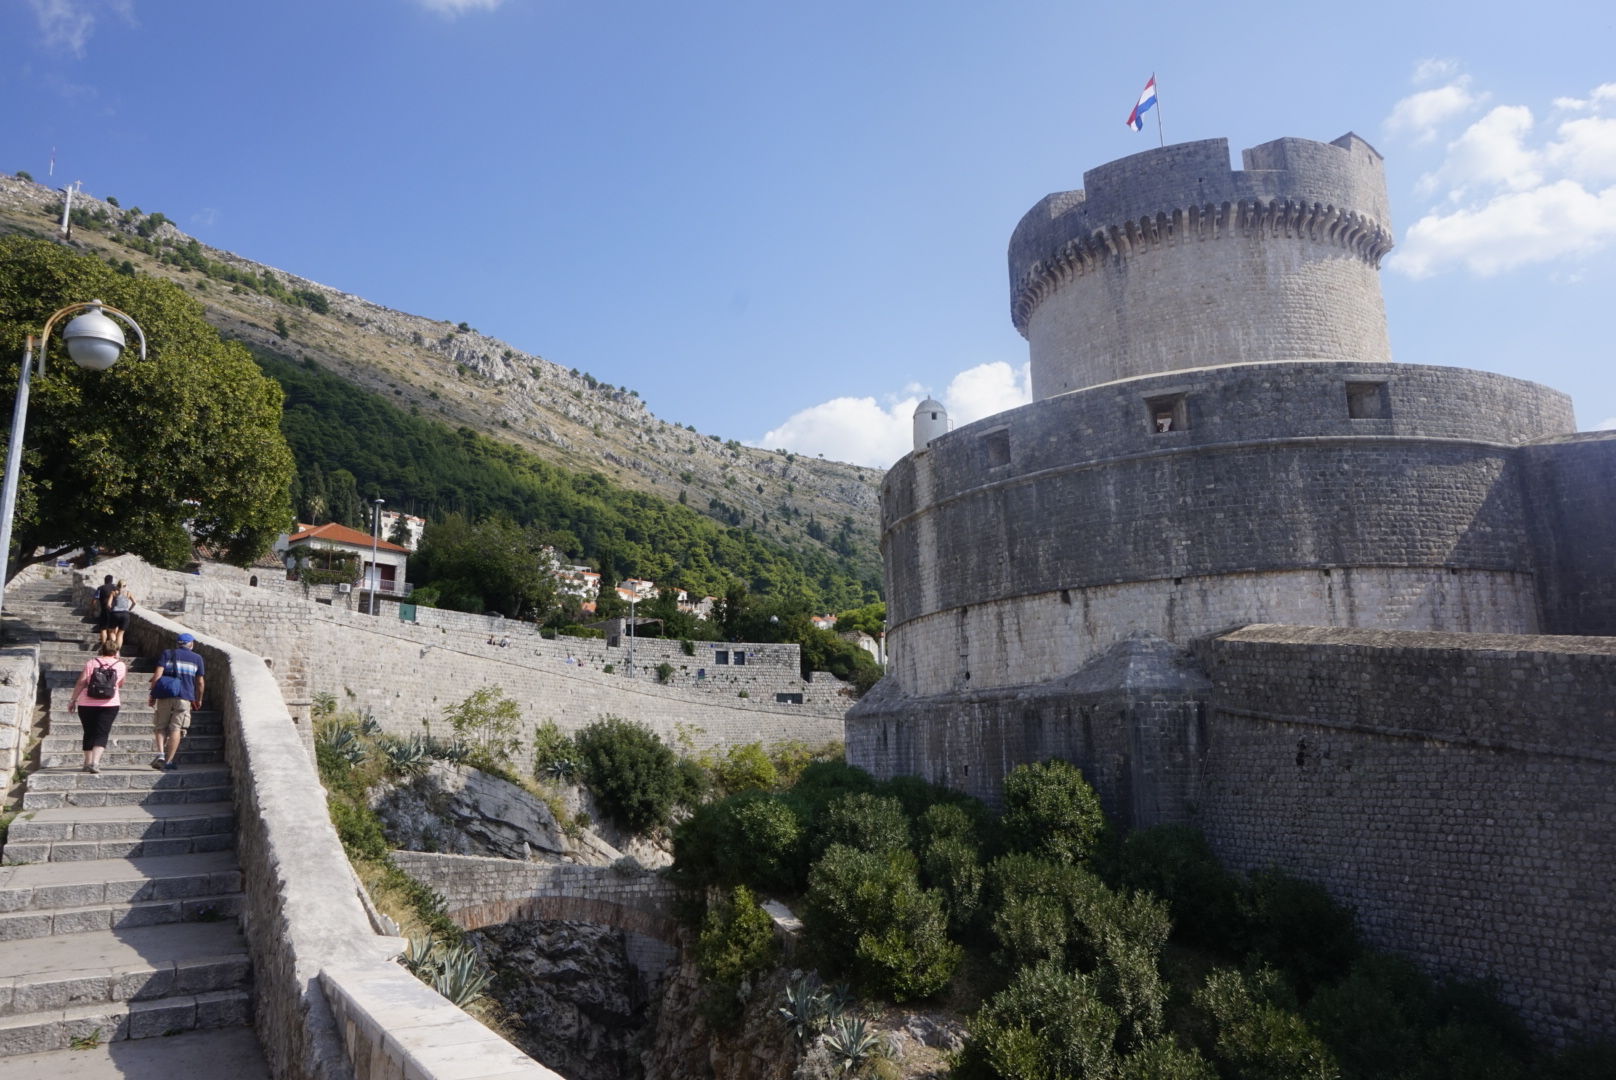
column 126, row 759
column 140, row 726
column 56, row 1029
column 113, row 894
column 105, row 966
column 219, row 1054
column 74, row 834
column 128, row 741
column 145, row 786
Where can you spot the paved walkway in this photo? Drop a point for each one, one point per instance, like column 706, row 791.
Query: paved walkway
column 119, row 891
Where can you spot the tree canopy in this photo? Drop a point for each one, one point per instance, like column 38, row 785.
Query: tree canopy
column 149, row 454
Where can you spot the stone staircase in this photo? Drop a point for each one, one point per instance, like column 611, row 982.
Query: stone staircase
column 119, row 891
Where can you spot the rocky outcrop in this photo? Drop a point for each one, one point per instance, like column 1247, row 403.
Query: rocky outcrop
column 465, row 811
column 683, row 1045
column 578, row 1000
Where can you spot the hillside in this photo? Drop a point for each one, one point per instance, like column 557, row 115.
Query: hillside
column 459, row 376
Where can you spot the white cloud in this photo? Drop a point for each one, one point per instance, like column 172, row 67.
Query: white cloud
column 65, row 24
column 455, row 8
column 1432, row 69
column 1420, row 115
column 68, row 24
column 1508, row 199
column 205, row 216
column 1606, row 425
column 864, row 432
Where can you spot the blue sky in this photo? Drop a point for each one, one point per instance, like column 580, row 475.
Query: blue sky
column 780, row 222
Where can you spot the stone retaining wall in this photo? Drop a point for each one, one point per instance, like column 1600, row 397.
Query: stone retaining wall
column 404, row 673
column 1459, row 790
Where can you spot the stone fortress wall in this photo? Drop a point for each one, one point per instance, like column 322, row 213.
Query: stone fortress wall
column 1068, row 579
column 404, row 673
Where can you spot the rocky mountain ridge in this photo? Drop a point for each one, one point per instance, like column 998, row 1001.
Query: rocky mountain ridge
column 463, row 377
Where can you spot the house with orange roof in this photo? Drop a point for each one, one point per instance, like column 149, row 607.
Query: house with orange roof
column 333, row 546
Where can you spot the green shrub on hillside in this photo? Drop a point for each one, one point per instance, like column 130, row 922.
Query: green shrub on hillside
column 865, row 822
column 1259, row 1036
column 632, row 773
column 736, row 944
column 755, row 838
column 870, row 921
column 1051, row 811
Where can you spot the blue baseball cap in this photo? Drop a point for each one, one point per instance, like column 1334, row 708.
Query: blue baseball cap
column 186, row 639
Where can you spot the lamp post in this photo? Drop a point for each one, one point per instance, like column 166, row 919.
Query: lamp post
column 375, row 545
column 94, row 342
column 633, row 596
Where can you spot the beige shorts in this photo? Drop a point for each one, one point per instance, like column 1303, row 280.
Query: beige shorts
column 172, row 712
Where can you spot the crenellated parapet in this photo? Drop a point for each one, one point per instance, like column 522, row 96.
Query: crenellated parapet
column 1275, row 219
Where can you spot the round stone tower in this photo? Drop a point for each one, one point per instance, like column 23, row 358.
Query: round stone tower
column 1169, row 259
column 931, row 420
column 1219, row 438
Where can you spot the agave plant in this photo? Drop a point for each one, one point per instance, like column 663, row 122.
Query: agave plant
column 324, row 704
column 804, row 1010
column 455, row 971
column 561, row 770
column 406, row 756
column 852, row 1044
column 461, row 976
column 369, row 725
column 346, row 743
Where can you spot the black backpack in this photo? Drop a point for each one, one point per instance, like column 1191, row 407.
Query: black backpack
column 103, row 682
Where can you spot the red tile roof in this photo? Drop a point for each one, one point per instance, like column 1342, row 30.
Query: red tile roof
column 340, row 534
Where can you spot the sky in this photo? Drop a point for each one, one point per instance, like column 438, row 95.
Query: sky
column 786, row 223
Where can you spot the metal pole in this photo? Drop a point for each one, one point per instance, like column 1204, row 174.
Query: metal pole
column 67, row 210
column 1161, row 135
column 631, row 601
column 375, row 544
column 8, row 497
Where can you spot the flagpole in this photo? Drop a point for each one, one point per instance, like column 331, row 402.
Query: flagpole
column 1161, row 135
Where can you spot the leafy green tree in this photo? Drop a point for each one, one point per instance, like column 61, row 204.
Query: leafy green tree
column 149, row 454
column 755, row 838
column 489, row 722
column 1051, row 811
column 281, row 329
column 494, row 562
column 1259, row 1035
column 870, row 920
column 632, row 773
column 871, row 618
column 736, row 945
column 400, row 532
column 866, row 822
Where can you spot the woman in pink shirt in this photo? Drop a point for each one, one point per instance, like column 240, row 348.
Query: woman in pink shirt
column 99, row 709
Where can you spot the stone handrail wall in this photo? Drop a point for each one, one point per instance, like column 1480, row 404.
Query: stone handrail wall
column 401, row 1029
column 19, row 687
column 480, row 891
column 329, row 1003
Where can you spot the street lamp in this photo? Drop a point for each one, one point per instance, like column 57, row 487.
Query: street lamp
column 375, row 544
column 94, row 342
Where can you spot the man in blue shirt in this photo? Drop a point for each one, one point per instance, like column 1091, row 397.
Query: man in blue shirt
column 176, row 690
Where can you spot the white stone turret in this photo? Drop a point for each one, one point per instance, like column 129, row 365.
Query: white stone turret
column 931, row 420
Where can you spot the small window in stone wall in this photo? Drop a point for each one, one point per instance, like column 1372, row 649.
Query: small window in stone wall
column 1368, row 401
column 788, row 699
column 1168, row 413
column 996, row 447
column 721, row 656
column 740, row 658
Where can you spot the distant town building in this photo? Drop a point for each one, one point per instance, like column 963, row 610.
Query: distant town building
column 824, row 622
column 304, row 548
column 415, row 525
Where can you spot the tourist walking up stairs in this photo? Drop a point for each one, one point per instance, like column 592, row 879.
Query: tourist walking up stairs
column 119, row 888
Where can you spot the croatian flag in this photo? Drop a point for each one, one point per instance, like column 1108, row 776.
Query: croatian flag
column 1147, row 101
